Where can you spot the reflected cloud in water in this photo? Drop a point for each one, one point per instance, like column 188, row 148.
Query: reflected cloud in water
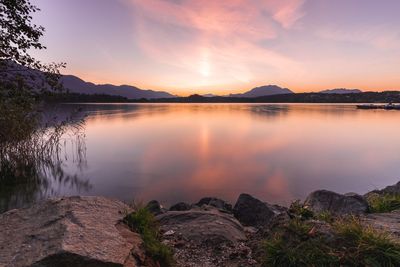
column 279, row 152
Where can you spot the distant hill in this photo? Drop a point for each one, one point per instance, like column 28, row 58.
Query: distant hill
column 77, row 85
column 266, row 90
column 364, row 97
column 209, row 95
column 341, row 91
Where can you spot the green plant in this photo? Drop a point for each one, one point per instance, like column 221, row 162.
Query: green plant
column 293, row 245
column 298, row 228
column 313, row 252
column 363, row 246
column 325, row 216
column 143, row 222
column 297, row 209
column 379, row 203
column 347, row 243
column 29, row 144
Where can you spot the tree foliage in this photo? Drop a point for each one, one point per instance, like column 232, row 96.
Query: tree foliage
column 22, row 77
column 29, row 144
column 18, row 34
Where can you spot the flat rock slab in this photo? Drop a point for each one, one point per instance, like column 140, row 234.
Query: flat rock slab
column 205, row 236
column 388, row 222
column 202, row 226
column 74, row 231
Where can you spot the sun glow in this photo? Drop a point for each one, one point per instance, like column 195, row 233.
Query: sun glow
column 205, row 68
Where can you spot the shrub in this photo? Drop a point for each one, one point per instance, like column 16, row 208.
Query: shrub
column 297, row 209
column 383, row 203
column 325, row 216
column 364, row 246
column 143, row 222
column 351, row 244
column 294, row 246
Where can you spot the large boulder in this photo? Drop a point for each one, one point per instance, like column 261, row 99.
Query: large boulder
column 203, row 225
column 215, row 202
column 74, row 231
column 253, row 212
column 205, row 236
column 338, row 204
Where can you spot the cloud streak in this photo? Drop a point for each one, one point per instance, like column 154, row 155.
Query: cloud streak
column 224, row 46
column 215, row 42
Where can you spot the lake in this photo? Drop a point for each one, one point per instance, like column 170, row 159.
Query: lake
column 276, row 152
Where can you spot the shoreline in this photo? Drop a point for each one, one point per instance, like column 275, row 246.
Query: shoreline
column 211, row 232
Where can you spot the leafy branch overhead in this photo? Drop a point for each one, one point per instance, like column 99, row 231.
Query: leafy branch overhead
column 19, row 35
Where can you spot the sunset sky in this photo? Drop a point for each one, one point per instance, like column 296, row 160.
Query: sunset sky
column 206, row 46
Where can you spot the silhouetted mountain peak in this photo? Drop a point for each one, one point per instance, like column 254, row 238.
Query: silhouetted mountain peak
column 77, row 85
column 209, row 95
column 265, row 90
column 195, row 96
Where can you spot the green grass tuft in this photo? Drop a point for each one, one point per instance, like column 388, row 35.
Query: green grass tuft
column 364, row 246
column 143, row 222
column 349, row 244
column 297, row 209
column 383, row 203
column 293, row 246
column 325, row 216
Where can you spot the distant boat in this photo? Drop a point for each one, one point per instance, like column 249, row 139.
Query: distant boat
column 389, row 106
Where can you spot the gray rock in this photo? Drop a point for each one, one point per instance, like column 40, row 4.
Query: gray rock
column 324, row 200
column 253, row 212
column 388, row 222
column 392, row 189
column 155, row 207
column 205, row 236
column 75, row 231
column 209, row 226
column 215, row 202
column 277, row 209
column 181, row 206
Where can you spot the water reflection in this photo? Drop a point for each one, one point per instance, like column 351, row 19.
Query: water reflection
column 37, row 167
column 181, row 152
column 26, row 182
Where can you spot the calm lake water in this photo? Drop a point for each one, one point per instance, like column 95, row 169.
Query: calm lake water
column 278, row 153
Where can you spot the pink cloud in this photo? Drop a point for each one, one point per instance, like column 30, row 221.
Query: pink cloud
column 210, row 43
column 377, row 37
column 288, row 12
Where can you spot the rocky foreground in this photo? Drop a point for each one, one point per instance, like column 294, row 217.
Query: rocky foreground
column 89, row 231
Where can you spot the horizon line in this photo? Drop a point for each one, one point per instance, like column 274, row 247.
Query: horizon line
column 184, row 93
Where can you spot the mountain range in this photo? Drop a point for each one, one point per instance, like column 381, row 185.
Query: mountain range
column 77, row 85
